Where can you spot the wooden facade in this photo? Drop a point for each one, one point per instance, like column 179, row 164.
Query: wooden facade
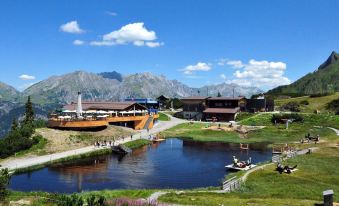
column 119, row 113
column 212, row 108
column 77, row 124
column 138, row 122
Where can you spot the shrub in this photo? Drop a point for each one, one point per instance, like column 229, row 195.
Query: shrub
column 291, row 106
column 20, row 137
column 40, row 123
column 333, row 105
column 76, row 200
column 321, row 94
column 278, row 118
column 18, row 140
column 304, row 102
column 4, row 181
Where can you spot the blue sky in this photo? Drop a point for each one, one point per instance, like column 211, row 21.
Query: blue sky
column 259, row 43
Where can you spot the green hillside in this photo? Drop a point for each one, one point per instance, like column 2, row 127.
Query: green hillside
column 324, row 80
column 309, row 104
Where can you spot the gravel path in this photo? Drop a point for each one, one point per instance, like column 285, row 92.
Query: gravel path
column 23, row 162
column 335, row 130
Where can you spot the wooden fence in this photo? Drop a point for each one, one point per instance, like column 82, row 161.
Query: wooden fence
column 232, row 184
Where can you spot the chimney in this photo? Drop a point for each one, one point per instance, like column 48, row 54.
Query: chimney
column 79, row 105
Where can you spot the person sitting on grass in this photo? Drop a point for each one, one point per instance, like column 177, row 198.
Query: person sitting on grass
column 316, row 139
column 287, row 169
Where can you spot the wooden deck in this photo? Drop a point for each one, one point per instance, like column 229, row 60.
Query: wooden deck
column 72, row 124
column 139, row 122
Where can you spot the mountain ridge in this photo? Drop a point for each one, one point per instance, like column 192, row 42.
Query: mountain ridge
column 323, row 80
column 7, row 92
column 98, row 87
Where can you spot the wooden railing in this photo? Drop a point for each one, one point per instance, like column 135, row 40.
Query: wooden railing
column 232, row 184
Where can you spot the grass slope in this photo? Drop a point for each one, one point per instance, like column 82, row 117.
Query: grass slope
column 269, row 134
column 137, row 143
column 197, row 133
column 44, row 198
column 317, row 172
column 315, row 103
column 163, row 117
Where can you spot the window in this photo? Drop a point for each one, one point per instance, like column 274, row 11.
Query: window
column 219, row 104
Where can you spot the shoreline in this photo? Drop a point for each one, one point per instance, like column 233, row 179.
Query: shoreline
column 261, row 174
column 39, row 161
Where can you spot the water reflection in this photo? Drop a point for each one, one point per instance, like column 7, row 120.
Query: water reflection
column 170, row 164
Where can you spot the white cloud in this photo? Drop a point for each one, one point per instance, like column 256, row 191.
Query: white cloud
column 135, row 33
column 221, row 62
column 111, row 13
column 71, row 27
column 200, row 66
column 223, row 76
column 235, row 64
column 26, row 77
column 154, row 44
column 102, row 43
column 263, row 74
column 78, row 42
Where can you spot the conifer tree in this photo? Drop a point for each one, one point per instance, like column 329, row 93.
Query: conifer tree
column 14, row 125
column 4, row 181
column 29, row 113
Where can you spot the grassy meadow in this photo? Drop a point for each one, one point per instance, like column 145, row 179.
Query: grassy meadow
column 315, row 103
column 269, row 134
column 316, row 172
column 163, row 117
column 51, row 199
column 137, row 143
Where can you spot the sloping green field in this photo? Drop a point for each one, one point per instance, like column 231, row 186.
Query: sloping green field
column 315, row 103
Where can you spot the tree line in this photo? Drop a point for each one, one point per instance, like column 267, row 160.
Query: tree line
column 20, row 137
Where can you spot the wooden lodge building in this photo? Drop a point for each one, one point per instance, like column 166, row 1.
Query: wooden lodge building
column 221, row 109
column 97, row 115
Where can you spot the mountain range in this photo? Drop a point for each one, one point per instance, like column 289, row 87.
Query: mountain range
column 113, row 86
column 325, row 79
column 108, row 86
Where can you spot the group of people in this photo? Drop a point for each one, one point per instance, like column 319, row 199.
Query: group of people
column 241, row 164
column 104, row 143
column 309, row 138
column 110, row 142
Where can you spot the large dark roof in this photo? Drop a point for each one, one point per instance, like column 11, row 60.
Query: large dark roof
column 222, row 110
column 104, row 106
column 195, row 98
column 225, row 98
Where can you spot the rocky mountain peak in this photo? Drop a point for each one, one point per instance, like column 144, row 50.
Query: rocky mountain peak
column 332, row 59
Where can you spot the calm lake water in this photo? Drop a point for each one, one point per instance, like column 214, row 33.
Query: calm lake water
column 170, row 164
